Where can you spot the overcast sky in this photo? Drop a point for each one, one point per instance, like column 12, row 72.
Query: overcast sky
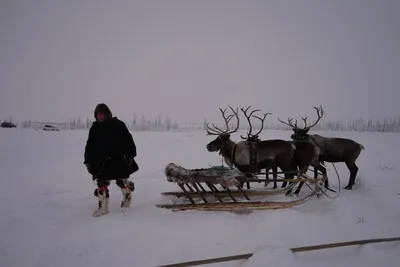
column 58, row 59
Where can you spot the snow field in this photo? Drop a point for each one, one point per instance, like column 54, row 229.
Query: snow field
column 46, row 202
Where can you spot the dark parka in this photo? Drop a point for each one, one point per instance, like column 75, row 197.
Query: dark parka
column 110, row 148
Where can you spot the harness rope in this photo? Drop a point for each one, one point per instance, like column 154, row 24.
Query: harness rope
column 338, row 177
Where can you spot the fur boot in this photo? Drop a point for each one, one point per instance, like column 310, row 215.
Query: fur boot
column 103, row 197
column 126, row 194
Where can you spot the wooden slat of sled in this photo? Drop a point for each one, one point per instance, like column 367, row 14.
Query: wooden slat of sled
column 204, row 179
column 225, row 194
column 294, row 250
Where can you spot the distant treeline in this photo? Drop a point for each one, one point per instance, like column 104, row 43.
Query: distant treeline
column 167, row 124
column 144, row 124
column 359, row 125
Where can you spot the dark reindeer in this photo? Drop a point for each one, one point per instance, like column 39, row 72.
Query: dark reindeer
column 269, row 153
column 255, row 138
column 333, row 150
column 306, row 154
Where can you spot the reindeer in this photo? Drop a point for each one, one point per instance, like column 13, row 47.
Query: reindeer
column 306, row 154
column 333, row 150
column 255, row 138
column 268, row 153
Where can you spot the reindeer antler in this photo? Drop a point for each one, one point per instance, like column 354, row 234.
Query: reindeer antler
column 248, row 120
column 217, row 131
column 262, row 122
column 249, row 134
column 320, row 113
column 289, row 123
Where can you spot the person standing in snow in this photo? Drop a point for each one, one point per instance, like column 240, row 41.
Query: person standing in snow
column 109, row 155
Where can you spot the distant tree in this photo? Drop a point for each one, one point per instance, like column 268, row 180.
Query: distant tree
column 73, row 123
column 143, row 123
column 159, row 122
column 88, row 123
column 168, row 123
column 134, row 123
column 79, row 123
column 204, row 123
column 175, row 126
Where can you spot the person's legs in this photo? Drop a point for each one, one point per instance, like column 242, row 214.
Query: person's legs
column 126, row 188
column 103, row 196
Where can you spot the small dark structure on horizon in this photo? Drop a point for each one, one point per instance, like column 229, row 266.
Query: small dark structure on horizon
column 8, row 125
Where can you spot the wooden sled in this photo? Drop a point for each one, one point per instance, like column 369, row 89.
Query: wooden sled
column 218, row 189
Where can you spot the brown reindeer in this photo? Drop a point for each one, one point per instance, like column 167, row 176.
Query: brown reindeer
column 306, row 154
column 255, row 138
column 268, row 153
column 333, row 150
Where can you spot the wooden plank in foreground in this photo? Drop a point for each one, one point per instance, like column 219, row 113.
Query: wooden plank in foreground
column 294, row 250
column 344, row 244
column 210, row 261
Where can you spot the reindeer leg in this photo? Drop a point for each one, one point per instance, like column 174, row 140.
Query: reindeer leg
column 283, row 184
column 326, row 183
column 323, row 171
column 247, row 183
column 293, row 167
column 316, row 171
column 289, row 176
column 303, row 170
column 266, row 177
column 247, row 175
column 355, row 170
column 275, row 175
column 353, row 173
column 297, row 192
column 292, row 176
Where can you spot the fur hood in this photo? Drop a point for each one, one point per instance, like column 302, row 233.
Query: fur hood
column 104, row 109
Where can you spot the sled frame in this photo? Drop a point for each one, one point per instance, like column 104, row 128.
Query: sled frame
column 209, row 197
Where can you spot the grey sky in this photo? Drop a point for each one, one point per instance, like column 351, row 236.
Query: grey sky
column 58, row 59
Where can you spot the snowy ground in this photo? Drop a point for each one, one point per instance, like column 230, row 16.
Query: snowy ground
column 46, row 202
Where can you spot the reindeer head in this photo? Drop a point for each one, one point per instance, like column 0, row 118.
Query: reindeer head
column 301, row 134
column 218, row 143
column 250, row 136
column 223, row 136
